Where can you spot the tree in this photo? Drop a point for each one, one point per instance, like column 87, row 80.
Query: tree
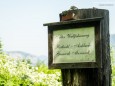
column 0, row 47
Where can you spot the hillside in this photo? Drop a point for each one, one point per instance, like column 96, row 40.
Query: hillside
column 23, row 55
column 112, row 41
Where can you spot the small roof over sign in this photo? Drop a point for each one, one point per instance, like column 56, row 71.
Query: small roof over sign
column 73, row 21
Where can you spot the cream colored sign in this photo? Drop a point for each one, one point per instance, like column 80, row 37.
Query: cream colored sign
column 74, row 45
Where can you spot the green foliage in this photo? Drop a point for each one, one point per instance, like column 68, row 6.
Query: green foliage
column 17, row 72
column 0, row 47
column 113, row 75
column 113, row 66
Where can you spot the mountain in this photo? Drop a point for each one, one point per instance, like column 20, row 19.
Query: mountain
column 112, row 41
column 23, row 55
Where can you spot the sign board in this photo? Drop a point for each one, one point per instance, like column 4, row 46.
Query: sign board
column 74, row 44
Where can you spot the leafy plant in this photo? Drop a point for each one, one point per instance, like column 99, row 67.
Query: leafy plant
column 113, row 66
column 17, row 72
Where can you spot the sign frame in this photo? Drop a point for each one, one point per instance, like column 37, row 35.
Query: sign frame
column 91, row 22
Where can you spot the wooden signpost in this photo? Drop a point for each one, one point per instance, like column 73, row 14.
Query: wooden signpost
column 79, row 46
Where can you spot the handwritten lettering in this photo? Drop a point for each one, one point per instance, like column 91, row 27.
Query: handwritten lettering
column 75, row 45
column 61, row 36
column 63, row 46
column 82, row 52
column 73, row 53
column 62, row 53
column 82, row 45
column 77, row 35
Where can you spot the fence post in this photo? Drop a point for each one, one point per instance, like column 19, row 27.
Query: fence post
column 91, row 76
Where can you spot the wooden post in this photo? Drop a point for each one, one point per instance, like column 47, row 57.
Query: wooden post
column 91, row 76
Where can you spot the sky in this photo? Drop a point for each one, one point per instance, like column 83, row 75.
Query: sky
column 21, row 21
